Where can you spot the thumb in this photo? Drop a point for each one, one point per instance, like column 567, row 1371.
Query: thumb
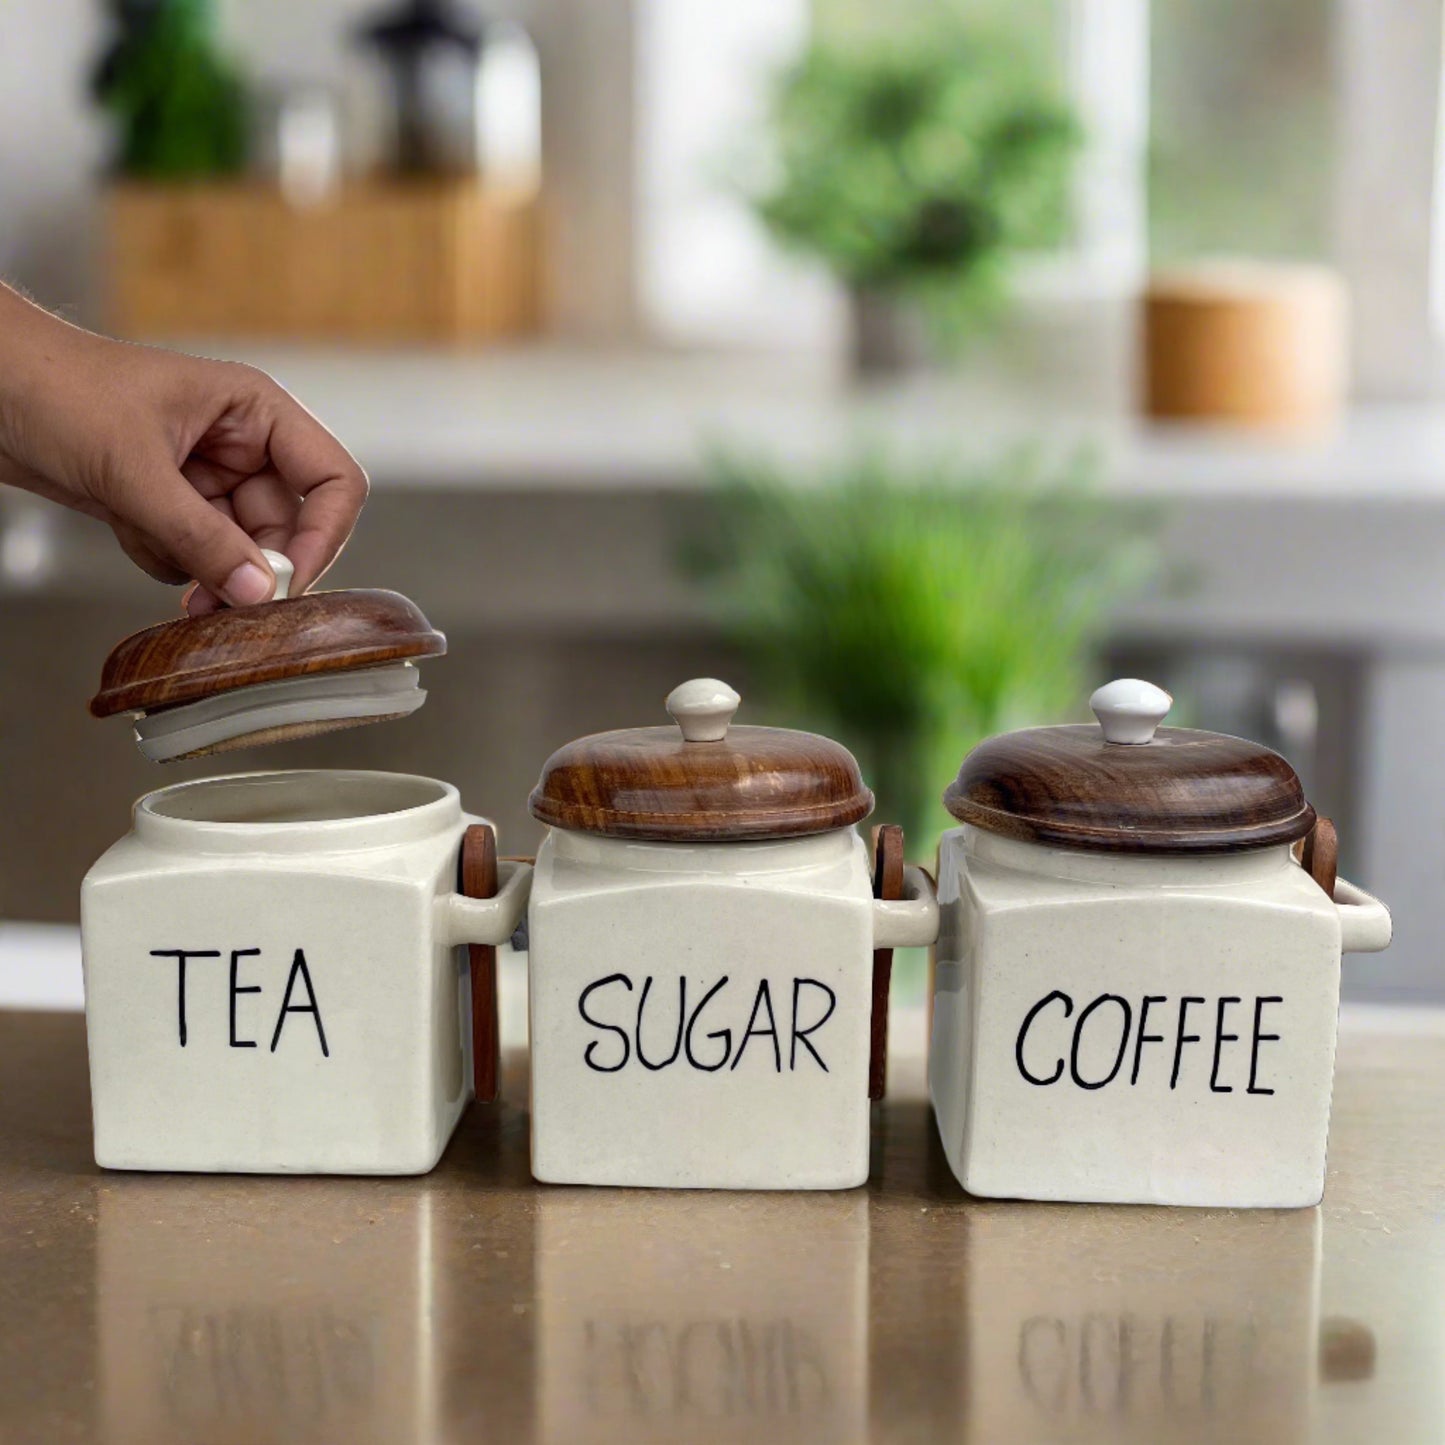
column 196, row 538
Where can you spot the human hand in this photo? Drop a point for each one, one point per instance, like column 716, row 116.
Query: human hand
column 194, row 464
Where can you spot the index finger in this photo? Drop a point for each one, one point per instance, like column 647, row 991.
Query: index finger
column 327, row 478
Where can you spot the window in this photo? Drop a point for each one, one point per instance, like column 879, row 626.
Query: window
column 1242, row 128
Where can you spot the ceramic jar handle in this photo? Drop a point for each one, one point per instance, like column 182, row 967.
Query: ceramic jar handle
column 905, row 915
column 910, row 921
column 482, row 915
column 888, row 866
column 1365, row 925
column 478, row 879
column 488, row 920
column 1320, row 855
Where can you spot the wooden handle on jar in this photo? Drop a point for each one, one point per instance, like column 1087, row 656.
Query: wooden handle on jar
column 478, row 870
column 1320, row 856
column 887, row 884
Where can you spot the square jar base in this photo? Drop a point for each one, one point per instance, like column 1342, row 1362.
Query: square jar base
column 416, row 1156
column 1298, row 1191
column 392, row 1168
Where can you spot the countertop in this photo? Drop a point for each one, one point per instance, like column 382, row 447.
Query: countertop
column 473, row 1305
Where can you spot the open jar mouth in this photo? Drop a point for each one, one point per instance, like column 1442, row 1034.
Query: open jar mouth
column 294, row 810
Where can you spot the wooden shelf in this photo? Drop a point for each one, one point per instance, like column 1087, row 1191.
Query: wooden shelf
column 451, row 261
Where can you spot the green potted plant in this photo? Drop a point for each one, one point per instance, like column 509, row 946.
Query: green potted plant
column 180, row 107
column 917, row 164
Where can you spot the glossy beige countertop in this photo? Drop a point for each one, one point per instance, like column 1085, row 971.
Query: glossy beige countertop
column 474, row 1306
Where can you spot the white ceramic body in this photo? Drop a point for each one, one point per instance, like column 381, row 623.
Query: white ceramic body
column 369, row 1069
column 1030, row 937
column 760, row 1084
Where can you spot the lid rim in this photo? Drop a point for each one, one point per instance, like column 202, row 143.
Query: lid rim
column 199, row 684
column 701, row 825
column 400, row 633
column 1185, row 792
column 1122, row 839
column 701, row 780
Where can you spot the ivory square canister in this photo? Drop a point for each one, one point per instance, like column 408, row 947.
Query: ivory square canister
column 289, row 972
column 1137, row 982
column 702, row 942
column 703, row 1018
column 274, row 975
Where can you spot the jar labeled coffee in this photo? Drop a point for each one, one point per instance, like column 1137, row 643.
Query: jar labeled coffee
column 1138, row 966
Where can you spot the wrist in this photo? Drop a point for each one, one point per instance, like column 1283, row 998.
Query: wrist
column 32, row 343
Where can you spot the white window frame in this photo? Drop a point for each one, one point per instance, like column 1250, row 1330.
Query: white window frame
column 1106, row 65
column 1389, row 201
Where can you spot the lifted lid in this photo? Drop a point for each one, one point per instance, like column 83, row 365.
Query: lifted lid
column 288, row 668
column 702, row 780
column 1129, row 786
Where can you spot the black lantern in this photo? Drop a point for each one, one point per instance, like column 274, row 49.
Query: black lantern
column 433, row 52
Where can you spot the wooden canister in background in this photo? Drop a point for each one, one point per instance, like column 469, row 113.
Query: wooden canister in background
column 1246, row 342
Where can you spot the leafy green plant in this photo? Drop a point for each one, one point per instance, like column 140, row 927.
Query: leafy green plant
column 916, row 163
column 913, row 608
column 180, row 106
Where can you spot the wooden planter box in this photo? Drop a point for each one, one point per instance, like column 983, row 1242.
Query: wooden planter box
column 383, row 261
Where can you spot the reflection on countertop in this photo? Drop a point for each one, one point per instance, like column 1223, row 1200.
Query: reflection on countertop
column 664, row 1316
column 475, row 1304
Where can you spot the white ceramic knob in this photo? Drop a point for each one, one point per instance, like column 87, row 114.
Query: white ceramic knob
column 703, row 708
column 281, row 566
column 1129, row 710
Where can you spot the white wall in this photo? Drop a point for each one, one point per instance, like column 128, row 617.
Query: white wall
column 51, row 143
column 705, row 270
column 1389, row 200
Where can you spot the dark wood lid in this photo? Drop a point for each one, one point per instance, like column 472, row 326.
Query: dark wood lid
column 200, row 657
column 703, row 780
column 1125, row 787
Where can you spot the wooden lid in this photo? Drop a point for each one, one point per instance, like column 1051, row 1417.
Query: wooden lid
column 1129, row 786
column 203, row 657
column 703, row 780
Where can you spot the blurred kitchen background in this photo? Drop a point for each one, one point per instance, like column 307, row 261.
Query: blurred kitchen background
column 915, row 366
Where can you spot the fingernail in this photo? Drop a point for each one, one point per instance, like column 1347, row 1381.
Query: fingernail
column 248, row 584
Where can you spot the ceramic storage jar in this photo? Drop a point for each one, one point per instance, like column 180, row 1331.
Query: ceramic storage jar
column 275, row 972
column 703, row 930
column 1137, row 980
